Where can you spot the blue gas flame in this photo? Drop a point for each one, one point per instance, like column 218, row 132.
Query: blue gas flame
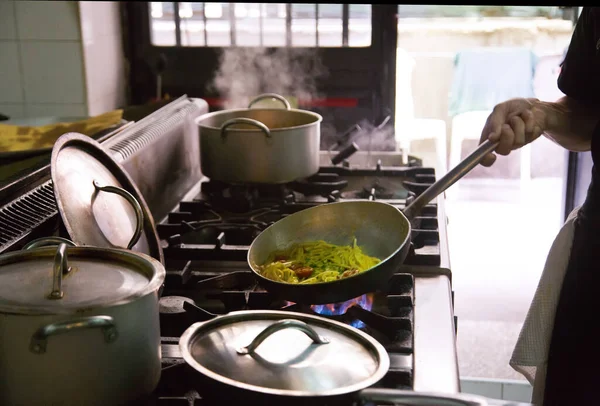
column 334, row 309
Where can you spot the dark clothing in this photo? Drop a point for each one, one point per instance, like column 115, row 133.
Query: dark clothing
column 573, row 373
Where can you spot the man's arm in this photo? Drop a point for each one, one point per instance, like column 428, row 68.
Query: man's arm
column 569, row 123
column 571, row 120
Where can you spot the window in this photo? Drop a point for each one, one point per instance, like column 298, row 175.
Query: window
column 421, row 11
column 260, row 24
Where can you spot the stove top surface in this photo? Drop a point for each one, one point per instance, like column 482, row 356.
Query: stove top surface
column 221, row 220
column 206, row 241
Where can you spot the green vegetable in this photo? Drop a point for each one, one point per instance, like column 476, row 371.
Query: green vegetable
column 316, row 262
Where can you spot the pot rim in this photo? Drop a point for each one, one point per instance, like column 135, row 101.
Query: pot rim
column 153, row 269
column 318, row 119
column 191, row 332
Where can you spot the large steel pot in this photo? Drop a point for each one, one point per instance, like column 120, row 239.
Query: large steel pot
column 260, row 145
column 78, row 326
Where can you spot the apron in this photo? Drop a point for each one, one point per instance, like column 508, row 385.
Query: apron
column 573, row 370
column 530, row 355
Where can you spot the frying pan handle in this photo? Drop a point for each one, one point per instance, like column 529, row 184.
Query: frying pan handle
column 242, row 120
column 282, row 99
column 409, row 398
column 281, row 325
column 449, row 179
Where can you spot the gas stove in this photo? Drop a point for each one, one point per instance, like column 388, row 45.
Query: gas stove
column 206, row 228
column 206, row 239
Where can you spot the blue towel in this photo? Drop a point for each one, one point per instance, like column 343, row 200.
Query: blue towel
column 484, row 77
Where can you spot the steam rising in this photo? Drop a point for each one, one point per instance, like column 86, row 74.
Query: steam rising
column 244, row 73
column 380, row 137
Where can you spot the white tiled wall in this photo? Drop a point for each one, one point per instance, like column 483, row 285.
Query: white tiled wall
column 103, row 55
column 516, row 391
column 41, row 65
column 60, row 58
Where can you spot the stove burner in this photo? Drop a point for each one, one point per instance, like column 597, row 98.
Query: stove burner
column 172, row 304
column 238, row 198
column 218, row 235
column 321, row 184
column 174, row 318
column 376, row 191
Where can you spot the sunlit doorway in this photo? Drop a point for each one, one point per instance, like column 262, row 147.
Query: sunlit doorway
column 502, row 220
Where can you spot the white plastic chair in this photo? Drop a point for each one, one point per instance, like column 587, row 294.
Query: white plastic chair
column 408, row 128
column 479, row 85
column 468, row 126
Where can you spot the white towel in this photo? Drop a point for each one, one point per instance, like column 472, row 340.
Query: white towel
column 530, row 355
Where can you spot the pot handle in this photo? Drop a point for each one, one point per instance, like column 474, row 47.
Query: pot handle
column 409, row 398
column 282, row 99
column 139, row 214
column 242, row 120
column 44, row 241
column 281, row 325
column 39, row 341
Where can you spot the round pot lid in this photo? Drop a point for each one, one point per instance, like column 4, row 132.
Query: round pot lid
column 98, row 202
column 284, row 353
column 67, row 279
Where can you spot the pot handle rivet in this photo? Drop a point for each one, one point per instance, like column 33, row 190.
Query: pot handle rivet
column 281, row 325
column 139, row 214
column 39, row 341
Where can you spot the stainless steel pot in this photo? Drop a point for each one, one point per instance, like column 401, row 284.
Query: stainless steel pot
column 278, row 357
column 260, row 145
column 78, row 326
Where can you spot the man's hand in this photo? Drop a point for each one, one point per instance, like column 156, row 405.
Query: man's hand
column 512, row 123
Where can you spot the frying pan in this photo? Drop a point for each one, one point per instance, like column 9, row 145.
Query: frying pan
column 382, row 230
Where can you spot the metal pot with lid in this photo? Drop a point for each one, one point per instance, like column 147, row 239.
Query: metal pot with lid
column 279, row 357
column 79, row 325
column 260, row 145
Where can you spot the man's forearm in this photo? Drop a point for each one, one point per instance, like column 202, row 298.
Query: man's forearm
column 570, row 123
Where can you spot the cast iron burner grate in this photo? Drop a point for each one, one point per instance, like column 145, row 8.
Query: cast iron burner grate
column 237, row 198
column 198, row 232
column 376, row 191
column 387, row 318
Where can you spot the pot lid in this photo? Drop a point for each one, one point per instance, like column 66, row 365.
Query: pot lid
column 63, row 279
column 98, row 202
column 284, row 353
